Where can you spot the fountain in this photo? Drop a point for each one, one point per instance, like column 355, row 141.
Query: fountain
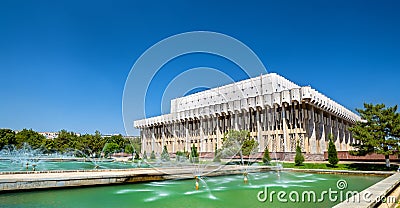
column 220, row 191
column 26, row 158
column 227, row 191
column 245, row 179
column 197, row 182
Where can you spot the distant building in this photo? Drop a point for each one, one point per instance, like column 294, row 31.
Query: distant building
column 277, row 112
column 125, row 137
column 53, row 135
column 49, row 135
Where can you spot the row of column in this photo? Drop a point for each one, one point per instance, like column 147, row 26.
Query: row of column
column 279, row 127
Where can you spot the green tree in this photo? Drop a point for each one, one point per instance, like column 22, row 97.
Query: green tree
column 332, row 153
column 266, row 158
column 32, row 138
column 117, row 139
column 238, row 143
column 74, row 142
column 194, row 156
column 7, row 137
column 50, row 145
column 152, row 155
column 84, row 144
column 96, row 143
column 299, row 158
column 129, row 149
column 378, row 131
column 165, row 154
column 66, row 140
column 110, row 148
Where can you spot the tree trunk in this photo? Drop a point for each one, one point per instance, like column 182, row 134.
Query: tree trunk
column 387, row 161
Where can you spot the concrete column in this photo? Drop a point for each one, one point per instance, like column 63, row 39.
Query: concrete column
column 258, row 130
column 330, row 125
column 236, row 121
column 285, row 130
column 162, row 136
column 267, row 142
column 349, row 139
column 212, row 144
column 251, row 120
column 313, row 136
column 221, row 125
column 243, row 120
column 208, row 126
column 274, row 123
column 267, row 119
column 231, row 121
column 248, row 119
column 186, row 127
column 218, row 133
column 173, row 136
column 153, row 138
column 201, row 136
column 207, row 145
column 322, row 140
column 341, row 129
column 335, row 133
column 213, row 125
column 144, row 140
column 225, row 124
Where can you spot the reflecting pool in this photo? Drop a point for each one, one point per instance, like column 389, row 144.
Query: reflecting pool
column 223, row 191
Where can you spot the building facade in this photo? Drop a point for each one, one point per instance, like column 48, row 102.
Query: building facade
column 277, row 112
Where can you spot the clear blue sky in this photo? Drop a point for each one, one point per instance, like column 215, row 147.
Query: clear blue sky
column 63, row 64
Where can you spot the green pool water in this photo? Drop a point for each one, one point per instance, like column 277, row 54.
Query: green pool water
column 224, row 191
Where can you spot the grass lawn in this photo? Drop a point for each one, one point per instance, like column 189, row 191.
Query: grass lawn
column 351, row 166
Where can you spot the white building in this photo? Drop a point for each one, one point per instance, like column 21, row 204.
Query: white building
column 277, row 112
column 49, row 135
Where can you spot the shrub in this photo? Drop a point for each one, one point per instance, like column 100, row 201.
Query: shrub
column 194, row 155
column 266, row 158
column 165, row 155
column 152, row 155
column 299, row 158
column 332, row 153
